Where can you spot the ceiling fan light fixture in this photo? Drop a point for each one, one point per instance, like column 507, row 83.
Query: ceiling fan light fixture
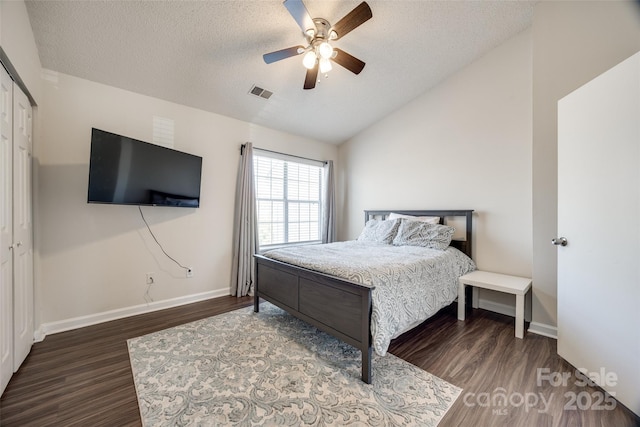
column 320, row 34
column 325, row 50
column 309, row 60
column 325, row 65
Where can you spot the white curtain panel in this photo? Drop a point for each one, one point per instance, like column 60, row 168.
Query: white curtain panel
column 245, row 237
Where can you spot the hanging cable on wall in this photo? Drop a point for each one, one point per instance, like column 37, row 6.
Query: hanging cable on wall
column 158, row 243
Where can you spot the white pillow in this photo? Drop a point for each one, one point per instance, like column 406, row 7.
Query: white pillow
column 379, row 231
column 417, row 233
column 427, row 219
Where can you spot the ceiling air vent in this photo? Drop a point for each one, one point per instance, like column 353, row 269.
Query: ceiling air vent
column 262, row 93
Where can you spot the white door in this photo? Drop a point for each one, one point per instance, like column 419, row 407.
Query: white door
column 6, row 232
column 22, row 228
column 599, row 214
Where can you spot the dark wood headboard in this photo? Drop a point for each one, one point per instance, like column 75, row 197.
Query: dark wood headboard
column 462, row 245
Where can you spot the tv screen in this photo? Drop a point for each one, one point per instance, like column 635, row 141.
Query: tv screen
column 126, row 171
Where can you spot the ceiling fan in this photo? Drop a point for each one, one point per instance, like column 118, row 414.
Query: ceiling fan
column 319, row 33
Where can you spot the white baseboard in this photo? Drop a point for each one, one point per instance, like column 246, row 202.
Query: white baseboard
column 106, row 316
column 508, row 310
column 544, row 330
column 38, row 334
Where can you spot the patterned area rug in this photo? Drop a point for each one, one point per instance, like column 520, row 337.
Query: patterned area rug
column 269, row 368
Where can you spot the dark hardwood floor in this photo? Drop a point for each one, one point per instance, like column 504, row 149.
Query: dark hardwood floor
column 83, row 377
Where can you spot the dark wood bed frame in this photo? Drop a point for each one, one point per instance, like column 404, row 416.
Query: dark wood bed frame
column 334, row 305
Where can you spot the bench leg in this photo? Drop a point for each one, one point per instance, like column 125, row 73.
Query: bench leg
column 519, row 316
column 461, row 301
column 475, row 298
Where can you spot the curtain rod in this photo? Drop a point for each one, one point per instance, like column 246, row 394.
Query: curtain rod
column 283, row 154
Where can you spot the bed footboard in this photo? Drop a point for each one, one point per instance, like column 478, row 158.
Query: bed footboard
column 333, row 305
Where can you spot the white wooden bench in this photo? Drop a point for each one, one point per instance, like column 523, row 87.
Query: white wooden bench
column 518, row 286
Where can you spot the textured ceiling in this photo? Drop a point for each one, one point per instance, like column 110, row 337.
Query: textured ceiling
column 208, row 54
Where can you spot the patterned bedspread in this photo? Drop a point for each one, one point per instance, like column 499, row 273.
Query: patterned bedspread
column 411, row 283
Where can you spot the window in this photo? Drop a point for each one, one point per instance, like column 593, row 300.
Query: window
column 288, row 199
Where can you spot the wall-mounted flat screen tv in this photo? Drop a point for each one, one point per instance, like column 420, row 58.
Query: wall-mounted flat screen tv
column 126, row 171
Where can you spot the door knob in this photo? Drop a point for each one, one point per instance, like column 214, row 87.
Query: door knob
column 559, row 241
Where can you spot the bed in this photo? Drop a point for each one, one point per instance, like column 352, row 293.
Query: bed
column 313, row 283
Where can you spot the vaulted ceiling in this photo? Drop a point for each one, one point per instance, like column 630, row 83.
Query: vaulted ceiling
column 208, row 54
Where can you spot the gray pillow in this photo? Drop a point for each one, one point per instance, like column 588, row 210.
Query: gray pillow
column 379, row 231
column 415, row 233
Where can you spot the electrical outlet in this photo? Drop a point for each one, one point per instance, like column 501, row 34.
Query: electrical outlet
column 189, row 272
column 150, row 279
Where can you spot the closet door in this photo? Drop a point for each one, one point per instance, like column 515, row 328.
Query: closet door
column 6, row 231
column 22, row 228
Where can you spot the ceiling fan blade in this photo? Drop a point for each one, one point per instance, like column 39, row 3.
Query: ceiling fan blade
column 298, row 10
column 358, row 16
column 282, row 54
column 349, row 62
column 311, row 78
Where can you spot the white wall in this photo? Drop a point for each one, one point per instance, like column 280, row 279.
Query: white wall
column 466, row 144
column 573, row 42
column 94, row 258
column 18, row 43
